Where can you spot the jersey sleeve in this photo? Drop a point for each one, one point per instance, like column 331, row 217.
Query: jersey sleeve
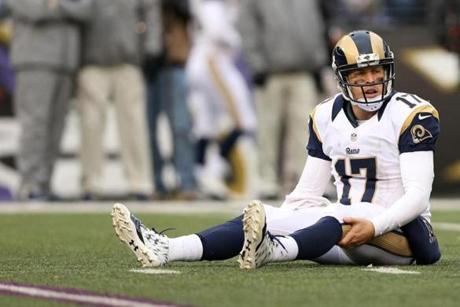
column 417, row 173
column 311, row 186
column 315, row 146
column 420, row 131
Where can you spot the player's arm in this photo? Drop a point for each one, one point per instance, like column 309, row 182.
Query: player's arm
column 311, row 185
column 417, row 143
column 417, row 172
column 417, row 177
column 315, row 176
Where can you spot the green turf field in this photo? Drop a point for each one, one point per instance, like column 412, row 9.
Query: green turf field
column 81, row 251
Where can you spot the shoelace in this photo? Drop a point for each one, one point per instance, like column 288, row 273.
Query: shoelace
column 138, row 224
column 275, row 238
column 163, row 231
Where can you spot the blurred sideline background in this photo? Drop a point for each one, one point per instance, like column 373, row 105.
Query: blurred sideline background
column 424, row 35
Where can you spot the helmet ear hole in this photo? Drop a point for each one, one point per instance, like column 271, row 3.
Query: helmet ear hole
column 340, row 51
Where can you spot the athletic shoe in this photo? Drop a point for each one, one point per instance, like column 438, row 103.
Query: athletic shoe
column 149, row 246
column 258, row 243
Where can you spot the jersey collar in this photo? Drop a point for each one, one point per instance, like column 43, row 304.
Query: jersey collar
column 341, row 103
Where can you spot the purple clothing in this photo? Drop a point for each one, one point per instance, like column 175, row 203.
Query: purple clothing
column 6, row 71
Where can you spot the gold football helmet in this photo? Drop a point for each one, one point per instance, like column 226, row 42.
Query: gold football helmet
column 360, row 49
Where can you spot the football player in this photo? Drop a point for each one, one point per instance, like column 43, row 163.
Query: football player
column 220, row 101
column 377, row 143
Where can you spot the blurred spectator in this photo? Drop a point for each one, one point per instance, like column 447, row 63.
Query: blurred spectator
column 445, row 19
column 285, row 46
column 406, row 11
column 114, row 41
column 45, row 54
column 6, row 71
column 351, row 14
column 220, row 102
column 4, row 12
column 446, row 22
column 6, row 93
column 167, row 94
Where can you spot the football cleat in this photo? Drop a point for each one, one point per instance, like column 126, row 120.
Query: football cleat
column 150, row 247
column 258, row 243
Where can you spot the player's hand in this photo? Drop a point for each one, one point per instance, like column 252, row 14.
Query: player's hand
column 362, row 230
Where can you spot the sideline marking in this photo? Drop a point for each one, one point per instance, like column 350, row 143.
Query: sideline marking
column 75, row 296
column 169, row 207
column 154, row 271
column 388, row 270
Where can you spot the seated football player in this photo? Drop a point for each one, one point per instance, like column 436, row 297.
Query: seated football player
column 377, row 143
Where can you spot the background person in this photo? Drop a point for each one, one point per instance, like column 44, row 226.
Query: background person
column 45, row 53
column 118, row 35
column 221, row 103
column 167, row 94
column 283, row 58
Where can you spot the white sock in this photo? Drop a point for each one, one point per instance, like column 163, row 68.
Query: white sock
column 286, row 253
column 185, row 248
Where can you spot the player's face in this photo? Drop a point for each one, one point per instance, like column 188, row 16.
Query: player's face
column 366, row 81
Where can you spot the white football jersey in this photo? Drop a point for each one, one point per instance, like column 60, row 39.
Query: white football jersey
column 216, row 23
column 365, row 155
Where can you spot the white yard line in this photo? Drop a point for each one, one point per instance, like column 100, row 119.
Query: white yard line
column 154, row 271
column 389, row 270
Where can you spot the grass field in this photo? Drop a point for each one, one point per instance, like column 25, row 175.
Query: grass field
column 81, row 251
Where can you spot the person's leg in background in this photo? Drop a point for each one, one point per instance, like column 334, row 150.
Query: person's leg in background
column 237, row 144
column 301, row 100
column 155, row 105
column 207, row 125
column 181, row 123
column 35, row 96
column 129, row 98
column 92, row 102
column 58, row 117
column 269, row 108
column 207, row 173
